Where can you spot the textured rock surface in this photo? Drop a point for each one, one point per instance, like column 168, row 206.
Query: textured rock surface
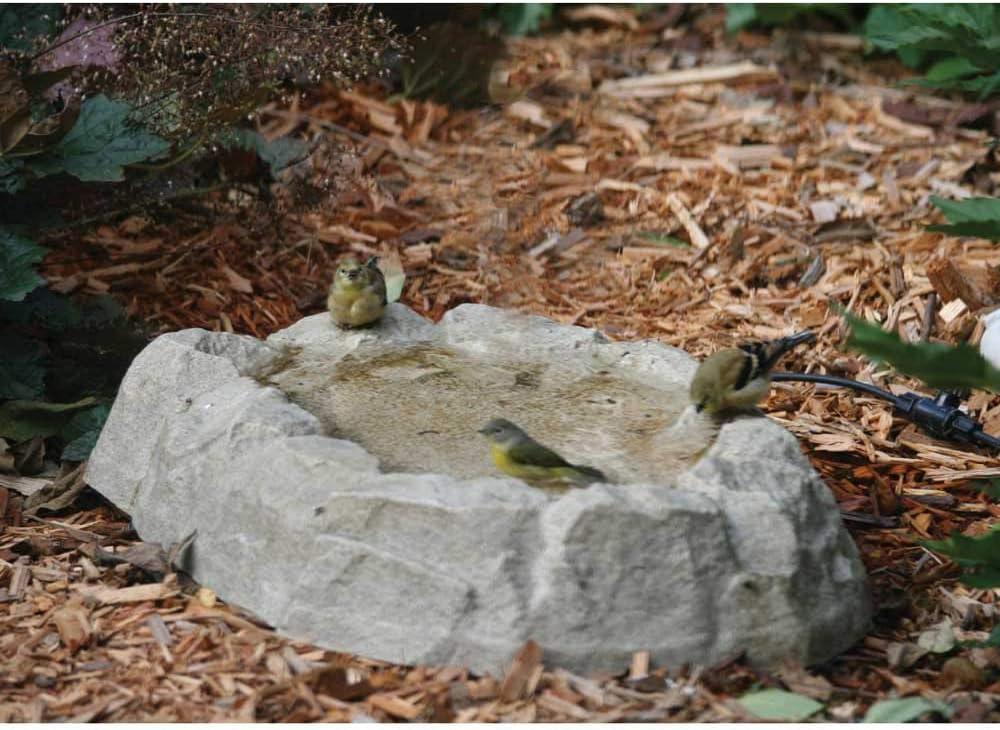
column 359, row 547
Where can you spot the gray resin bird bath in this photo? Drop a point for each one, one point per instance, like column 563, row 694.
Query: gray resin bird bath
column 340, row 492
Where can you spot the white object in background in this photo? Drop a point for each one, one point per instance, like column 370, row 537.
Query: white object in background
column 989, row 345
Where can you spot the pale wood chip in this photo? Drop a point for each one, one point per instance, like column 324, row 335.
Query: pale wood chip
column 395, row 706
column 625, row 88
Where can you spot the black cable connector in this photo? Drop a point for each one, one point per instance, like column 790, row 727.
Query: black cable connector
column 940, row 416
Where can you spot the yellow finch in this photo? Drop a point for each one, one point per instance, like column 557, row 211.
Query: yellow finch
column 357, row 294
column 739, row 377
column 519, row 455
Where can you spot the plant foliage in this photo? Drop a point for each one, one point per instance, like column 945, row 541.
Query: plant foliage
column 776, row 704
column 979, row 556
column 96, row 101
column 906, row 710
column 956, row 43
column 937, row 365
column 979, row 217
column 522, row 18
column 744, row 15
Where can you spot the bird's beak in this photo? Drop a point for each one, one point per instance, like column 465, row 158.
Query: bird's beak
column 483, row 431
column 699, row 407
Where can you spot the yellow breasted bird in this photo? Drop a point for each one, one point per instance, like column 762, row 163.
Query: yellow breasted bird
column 357, row 295
column 739, row 377
column 517, row 454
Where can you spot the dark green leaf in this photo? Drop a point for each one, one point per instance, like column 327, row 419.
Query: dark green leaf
column 938, row 365
column 524, row 18
column 776, row 704
column 978, row 217
column 23, row 419
column 17, row 273
column 100, row 144
column 22, row 367
column 21, row 23
column 739, row 16
column 951, row 68
column 978, row 556
column 82, row 431
column 959, row 40
column 277, row 154
column 989, row 487
column 44, row 307
column 905, row 710
column 11, row 180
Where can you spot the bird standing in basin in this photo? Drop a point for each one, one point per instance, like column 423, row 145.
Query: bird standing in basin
column 357, row 295
column 739, row 377
column 517, row 454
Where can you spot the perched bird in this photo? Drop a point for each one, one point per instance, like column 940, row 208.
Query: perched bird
column 739, row 377
column 357, row 295
column 519, row 455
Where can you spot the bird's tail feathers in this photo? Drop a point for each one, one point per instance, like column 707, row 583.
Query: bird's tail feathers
column 772, row 351
column 592, row 474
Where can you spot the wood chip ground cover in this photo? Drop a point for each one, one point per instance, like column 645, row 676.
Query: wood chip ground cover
column 652, row 180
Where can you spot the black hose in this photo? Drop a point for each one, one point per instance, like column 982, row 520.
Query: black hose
column 834, row 380
column 941, row 417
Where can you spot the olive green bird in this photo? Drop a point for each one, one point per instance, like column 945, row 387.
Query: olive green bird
column 517, row 454
column 739, row 377
column 357, row 295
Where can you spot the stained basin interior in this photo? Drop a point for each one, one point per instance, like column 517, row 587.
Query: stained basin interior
column 417, row 408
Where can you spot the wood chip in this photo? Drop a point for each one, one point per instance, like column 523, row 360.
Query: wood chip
column 130, row 594
column 653, row 85
column 516, row 682
column 73, row 625
column 395, row 706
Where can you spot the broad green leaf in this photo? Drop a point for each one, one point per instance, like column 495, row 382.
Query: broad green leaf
column 277, row 154
column 978, row 556
column 905, row 710
column 959, row 39
column 100, row 144
column 971, row 217
column 22, row 367
column 23, row 419
column 938, row 365
column 82, row 432
column 17, row 258
column 776, row 704
column 951, row 68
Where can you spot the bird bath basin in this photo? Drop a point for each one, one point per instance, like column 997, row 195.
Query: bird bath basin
column 340, row 491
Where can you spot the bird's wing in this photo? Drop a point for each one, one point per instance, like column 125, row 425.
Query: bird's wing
column 378, row 284
column 534, row 454
column 738, row 371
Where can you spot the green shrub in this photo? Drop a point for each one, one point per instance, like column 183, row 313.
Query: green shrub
column 956, row 43
column 97, row 104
